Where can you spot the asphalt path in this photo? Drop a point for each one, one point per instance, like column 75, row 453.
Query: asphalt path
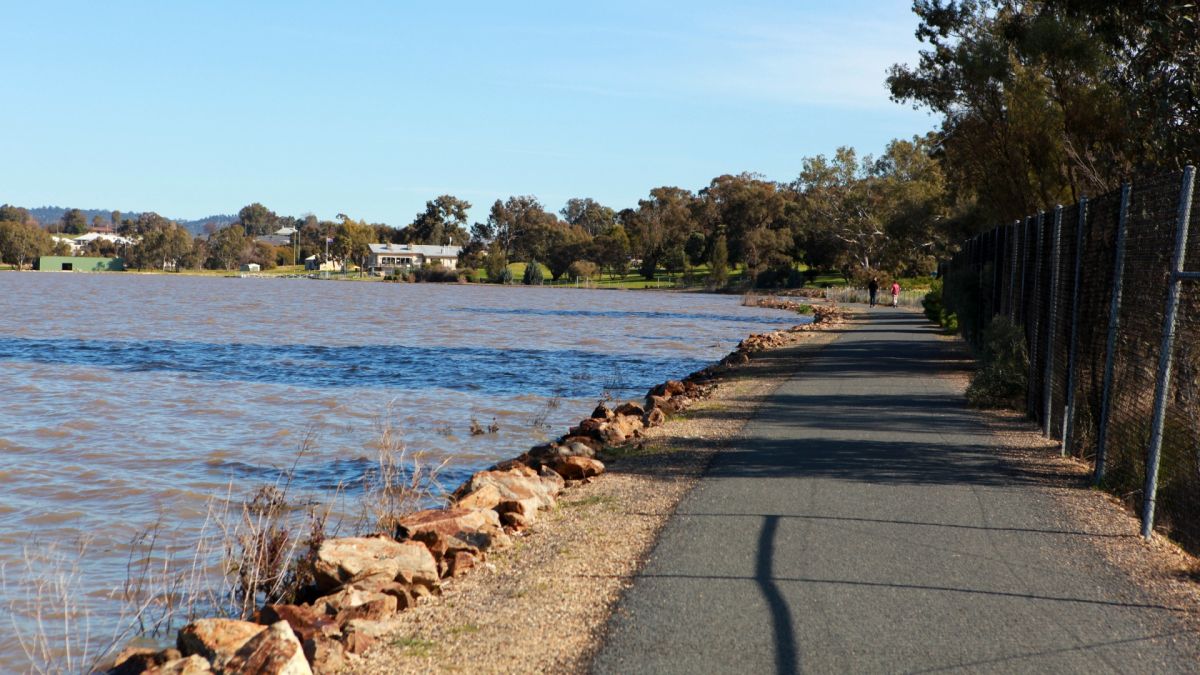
column 864, row 522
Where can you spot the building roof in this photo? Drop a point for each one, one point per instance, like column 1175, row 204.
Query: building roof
column 422, row 249
column 92, row 236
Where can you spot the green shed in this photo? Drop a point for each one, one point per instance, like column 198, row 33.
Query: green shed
column 67, row 263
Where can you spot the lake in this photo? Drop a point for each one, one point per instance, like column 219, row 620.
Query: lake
column 135, row 399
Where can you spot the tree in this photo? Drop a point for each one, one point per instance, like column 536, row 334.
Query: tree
column 587, row 213
column 226, row 247
column 567, row 244
column 74, row 222
column 163, row 248
column 522, row 226
column 257, row 220
column 442, row 223
column 21, row 243
column 661, row 223
column 694, row 247
column 496, row 263
column 718, row 262
column 351, row 240
column 612, row 250
column 98, row 222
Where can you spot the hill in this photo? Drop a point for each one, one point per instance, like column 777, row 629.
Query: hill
column 48, row 215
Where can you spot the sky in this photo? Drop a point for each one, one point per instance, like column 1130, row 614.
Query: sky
column 193, row 108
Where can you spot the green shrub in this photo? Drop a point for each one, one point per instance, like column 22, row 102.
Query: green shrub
column 1001, row 380
column 504, row 276
column 936, row 310
column 533, row 274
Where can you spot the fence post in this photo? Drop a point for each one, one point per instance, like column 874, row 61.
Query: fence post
column 1052, row 315
column 1032, row 337
column 1012, row 272
column 1114, row 311
column 997, row 295
column 1163, row 385
column 1069, row 413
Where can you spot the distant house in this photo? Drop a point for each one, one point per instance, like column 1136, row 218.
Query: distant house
column 387, row 258
column 275, row 239
column 314, row 263
column 251, row 267
column 85, row 239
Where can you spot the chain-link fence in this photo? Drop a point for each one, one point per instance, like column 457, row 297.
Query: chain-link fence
column 1111, row 320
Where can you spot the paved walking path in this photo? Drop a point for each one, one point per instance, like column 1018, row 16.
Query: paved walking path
column 864, row 523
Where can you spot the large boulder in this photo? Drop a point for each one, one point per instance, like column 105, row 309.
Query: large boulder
column 516, row 484
column 486, row 497
column 602, row 412
column 274, row 651
column 354, row 559
column 656, row 417
column 630, row 409
column 216, row 640
column 137, row 660
column 324, row 654
column 448, row 530
column 577, row 468
column 188, row 665
column 306, row 621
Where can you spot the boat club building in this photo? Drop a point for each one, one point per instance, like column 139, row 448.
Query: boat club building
column 387, row 258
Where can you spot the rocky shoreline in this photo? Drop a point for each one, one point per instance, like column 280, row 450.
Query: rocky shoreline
column 363, row 585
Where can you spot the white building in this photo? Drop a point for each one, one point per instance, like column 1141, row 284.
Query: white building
column 387, row 258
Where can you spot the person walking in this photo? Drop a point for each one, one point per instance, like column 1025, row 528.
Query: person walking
column 873, row 289
column 895, row 294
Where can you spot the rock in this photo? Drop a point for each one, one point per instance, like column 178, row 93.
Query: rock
column 515, row 485
column 457, row 529
column 352, row 559
column 306, row 621
column 654, row 402
column 381, row 607
column 217, row 640
column 358, row 643
column 655, row 417
column 485, row 497
column 587, row 441
column 577, row 468
column 188, row 665
column 516, row 520
column 136, row 660
column 374, row 629
column 325, row 654
column 526, row 508
column 460, row 563
column 352, row 595
column 630, row 409
column 628, row 424
column 612, row 434
column 602, row 412
column 275, row 651
column 403, row 593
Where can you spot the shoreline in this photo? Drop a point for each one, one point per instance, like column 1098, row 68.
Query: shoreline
column 351, row 611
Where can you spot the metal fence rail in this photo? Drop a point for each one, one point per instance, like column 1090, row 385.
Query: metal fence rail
column 1111, row 320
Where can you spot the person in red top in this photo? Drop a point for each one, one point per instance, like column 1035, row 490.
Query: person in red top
column 895, row 294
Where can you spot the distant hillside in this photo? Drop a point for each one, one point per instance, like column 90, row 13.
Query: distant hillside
column 48, row 215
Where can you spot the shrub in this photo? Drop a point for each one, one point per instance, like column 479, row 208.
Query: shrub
column 504, row 276
column 583, row 269
column 533, row 274
column 936, row 310
column 1001, row 380
column 435, row 274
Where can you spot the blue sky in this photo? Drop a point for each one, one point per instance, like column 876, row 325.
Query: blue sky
column 371, row 108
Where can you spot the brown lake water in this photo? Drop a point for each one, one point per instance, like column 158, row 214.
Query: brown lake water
column 129, row 399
